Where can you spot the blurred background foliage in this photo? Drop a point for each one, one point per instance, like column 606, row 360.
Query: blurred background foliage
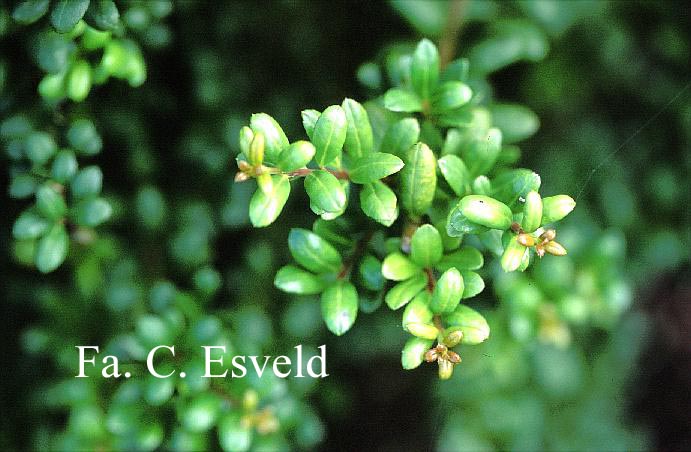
column 589, row 352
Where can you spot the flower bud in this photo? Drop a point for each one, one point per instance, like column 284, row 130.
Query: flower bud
column 422, row 330
column 445, row 368
column 557, row 207
column 454, row 357
column 246, row 137
column 256, row 154
column 486, row 211
column 431, row 355
column 555, row 248
column 548, row 235
column 513, row 255
column 525, row 239
column 453, row 336
column 532, row 212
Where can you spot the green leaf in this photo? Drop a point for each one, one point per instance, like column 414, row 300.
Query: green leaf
column 309, row 120
column 513, row 255
column 379, row 202
column 532, row 212
column 87, row 182
column 29, row 11
column 339, row 304
column 402, row 100
column 102, row 15
column 373, row 167
column 313, row 252
column 510, row 185
column 296, row 156
column 359, row 140
column 455, row 172
column 482, row 186
column 450, row 96
column 50, row 203
column 447, row 292
column 326, row 192
column 64, row 166
column 486, row 211
column 29, row 225
column 457, row 224
column 457, row 70
column 234, row 435
column 93, row 212
column 418, row 311
column 466, row 258
column 292, row 279
column 473, row 325
column 472, row 284
column 265, row 208
column 516, row 122
column 79, row 81
column 274, row 137
column 329, row 135
column 370, row 273
column 84, row 138
column 52, row 249
column 482, row 153
column 424, row 69
column 418, row 180
column 54, row 52
column 397, row 267
column 426, row 246
column 413, row 353
column 400, row 137
column 556, row 207
column 422, row 330
column 66, row 14
column 403, row 292
column 39, row 147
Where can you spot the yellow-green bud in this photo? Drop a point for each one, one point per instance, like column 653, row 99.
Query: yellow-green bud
column 486, row 211
column 532, row 212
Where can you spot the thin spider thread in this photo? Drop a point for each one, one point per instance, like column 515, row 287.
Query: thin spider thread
column 628, row 140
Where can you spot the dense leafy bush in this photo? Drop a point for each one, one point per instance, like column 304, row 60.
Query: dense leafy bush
column 142, row 179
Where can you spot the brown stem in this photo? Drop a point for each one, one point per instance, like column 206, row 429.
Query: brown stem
column 409, row 229
column 449, row 39
column 302, row 172
column 358, row 252
column 431, row 281
column 437, row 322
